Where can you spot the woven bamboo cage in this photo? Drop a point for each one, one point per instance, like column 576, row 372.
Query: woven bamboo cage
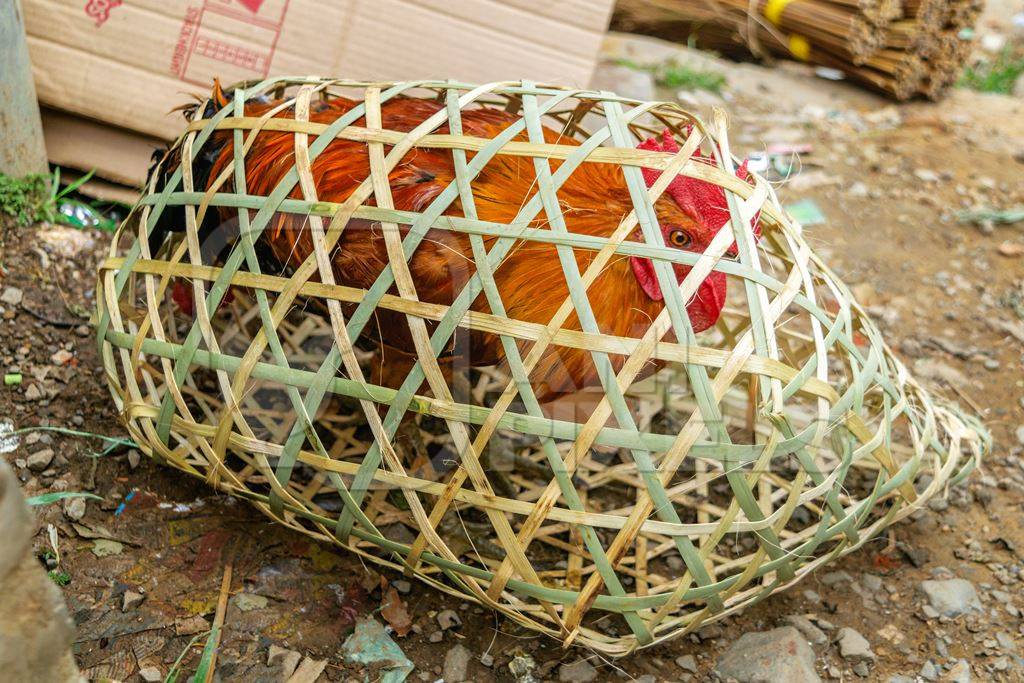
column 766, row 447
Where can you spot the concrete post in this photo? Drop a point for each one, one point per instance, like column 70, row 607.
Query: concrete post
column 21, row 133
column 36, row 631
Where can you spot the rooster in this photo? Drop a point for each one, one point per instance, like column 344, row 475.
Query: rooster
column 625, row 297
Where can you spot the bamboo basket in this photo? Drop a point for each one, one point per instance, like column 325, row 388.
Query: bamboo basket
column 767, row 447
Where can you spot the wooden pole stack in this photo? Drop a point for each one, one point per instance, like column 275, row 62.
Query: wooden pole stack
column 900, row 47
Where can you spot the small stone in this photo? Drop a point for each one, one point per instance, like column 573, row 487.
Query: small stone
column 33, row 392
column 130, row 600
column 150, row 674
column 858, row 189
column 448, row 619
column 1006, row 642
column 812, row 596
column 872, row 582
column 287, row 659
column 456, row 664
column 61, row 357
column 74, row 508
column 951, row 597
column 687, row 663
column 191, row 625
column 929, row 672
column 833, row 578
column 134, row 458
column 777, row 656
column 862, row 669
column 1020, row 435
column 522, row 667
column 12, row 296
column 901, row 679
column 580, row 671
column 402, row 586
column 813, row 634
column 853, row 646
column 247, row 602
column 960, row 673
column 487, row 659
column 436, row 636
column 40, row 460
column 926, row 175
column 104, row 547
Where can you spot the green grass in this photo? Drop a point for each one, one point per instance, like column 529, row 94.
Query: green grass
column 61, row 578
column 672, row 74
column 997, row 75
column 26, row 200
column 38, row 198
column 175, row 672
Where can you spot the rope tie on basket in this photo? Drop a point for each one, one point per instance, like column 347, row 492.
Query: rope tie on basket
column 797, row 44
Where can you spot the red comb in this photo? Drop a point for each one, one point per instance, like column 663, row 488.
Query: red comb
column 704, row 202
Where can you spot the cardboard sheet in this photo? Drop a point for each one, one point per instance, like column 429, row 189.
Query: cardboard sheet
column 111, row 72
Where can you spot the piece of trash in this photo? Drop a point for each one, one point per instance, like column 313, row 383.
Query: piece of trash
column 758, row 162
column 9, row 441
column 829, row 74
column 81, row 215
column 51, row 536
column 124, row 503
column 394, row 610
column 12, row 379
column 806, row 212
column 371, row 645
column 103, row 547
column 1005, row 216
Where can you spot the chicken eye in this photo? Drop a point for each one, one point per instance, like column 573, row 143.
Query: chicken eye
column 680, row 239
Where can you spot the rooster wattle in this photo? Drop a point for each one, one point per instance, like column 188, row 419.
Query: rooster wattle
column 625, row 297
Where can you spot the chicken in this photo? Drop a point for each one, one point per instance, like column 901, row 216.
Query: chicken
column 625, row 297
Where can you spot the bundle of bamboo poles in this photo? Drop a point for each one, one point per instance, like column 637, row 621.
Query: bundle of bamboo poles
column 900, row 47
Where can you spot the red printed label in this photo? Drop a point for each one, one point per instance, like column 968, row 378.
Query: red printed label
column 99, row 10
column 231, row 40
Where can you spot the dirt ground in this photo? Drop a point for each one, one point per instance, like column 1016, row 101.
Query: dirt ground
column 948, row 295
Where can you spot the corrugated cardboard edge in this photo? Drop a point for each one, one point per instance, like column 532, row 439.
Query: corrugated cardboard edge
column 120, row 157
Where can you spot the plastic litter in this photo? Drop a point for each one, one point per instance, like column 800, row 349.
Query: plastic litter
column 371, row 644
column 807, row 212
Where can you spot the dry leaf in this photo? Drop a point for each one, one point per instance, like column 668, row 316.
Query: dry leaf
column 395, row 611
